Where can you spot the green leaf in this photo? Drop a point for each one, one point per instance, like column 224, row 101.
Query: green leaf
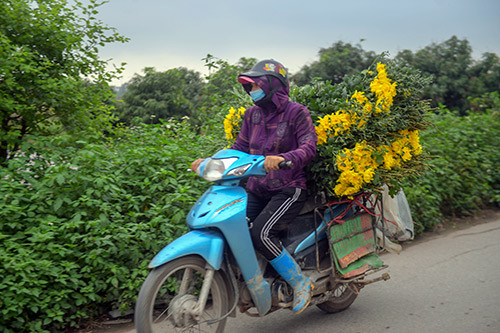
column 60, row 179
column 57, row 204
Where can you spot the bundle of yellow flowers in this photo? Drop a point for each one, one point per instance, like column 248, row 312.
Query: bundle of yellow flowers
column 368, row 130
column 367, row 127
column 232, row 123
column 367, row 111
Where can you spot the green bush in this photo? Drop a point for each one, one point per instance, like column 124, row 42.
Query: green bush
column 80, row 224
column 464, row 174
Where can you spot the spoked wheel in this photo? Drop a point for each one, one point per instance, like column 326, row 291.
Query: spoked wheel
column 169, row 296
column 343, row 296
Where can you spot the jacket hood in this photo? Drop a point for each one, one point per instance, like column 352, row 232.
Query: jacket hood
column 276, row 101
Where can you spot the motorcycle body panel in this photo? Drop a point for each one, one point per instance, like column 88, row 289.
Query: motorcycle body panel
column 224, row 208
column 320, row 232
column 209, row 244
column 311, row 239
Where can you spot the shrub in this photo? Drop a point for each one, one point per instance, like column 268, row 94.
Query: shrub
column 80, row 224
column 464, row 174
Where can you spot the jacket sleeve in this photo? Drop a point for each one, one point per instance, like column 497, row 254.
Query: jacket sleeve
column 306, row 137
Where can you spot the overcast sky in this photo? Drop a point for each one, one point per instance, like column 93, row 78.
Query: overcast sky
column 172, row 33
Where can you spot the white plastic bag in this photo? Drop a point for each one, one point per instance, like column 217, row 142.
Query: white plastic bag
column 397, row 223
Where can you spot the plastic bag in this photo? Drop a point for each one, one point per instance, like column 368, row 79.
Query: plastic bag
column 397, row 222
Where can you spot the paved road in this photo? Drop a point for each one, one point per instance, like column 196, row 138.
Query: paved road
column 446, row 284
column 449, row 283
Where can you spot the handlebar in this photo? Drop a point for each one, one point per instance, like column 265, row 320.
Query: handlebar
column 285, row 164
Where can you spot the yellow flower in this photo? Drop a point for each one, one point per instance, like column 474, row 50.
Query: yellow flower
column 340, row 189
column 361, row 123
column 333, row 125
column 368, row 107
column 359, row 96
column 228, row 129
column 368, row 175
column 406, row 154
column 383, row 89
column 349, row 183
column 232, row 123
column 389, row 160
column 397, row 146
column 321, row 133
column 415, row 142
column 357, row 167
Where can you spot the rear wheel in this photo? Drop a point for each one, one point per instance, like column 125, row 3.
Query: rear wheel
column 171, row 291
column 343, row 296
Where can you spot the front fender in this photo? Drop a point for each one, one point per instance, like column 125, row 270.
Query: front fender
column 209, row 244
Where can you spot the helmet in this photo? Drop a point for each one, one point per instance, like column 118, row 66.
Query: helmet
column 267, row 67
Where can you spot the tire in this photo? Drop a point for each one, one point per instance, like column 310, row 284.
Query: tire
column 157, row 308
column 343, row 298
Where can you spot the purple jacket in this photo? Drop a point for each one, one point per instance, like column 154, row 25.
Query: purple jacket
column 278, row 127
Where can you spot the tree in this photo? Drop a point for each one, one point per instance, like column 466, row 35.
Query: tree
column 161, row 95
column 448, row 63
column 458, row 78
column 224, row 80
column 335, row 62
column 484, row 76
column 51, row 77
column 222, row 91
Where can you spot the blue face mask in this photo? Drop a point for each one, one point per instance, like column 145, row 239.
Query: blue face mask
column 257, row 95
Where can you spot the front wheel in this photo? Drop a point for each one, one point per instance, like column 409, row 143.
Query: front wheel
column 343, row 296
column 171, row 291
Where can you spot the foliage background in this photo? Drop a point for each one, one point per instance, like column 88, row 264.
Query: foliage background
column 89, row 192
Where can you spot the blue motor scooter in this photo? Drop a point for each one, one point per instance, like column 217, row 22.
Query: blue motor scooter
column 199, row 279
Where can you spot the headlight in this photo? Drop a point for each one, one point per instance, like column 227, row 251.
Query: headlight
column 215, row 168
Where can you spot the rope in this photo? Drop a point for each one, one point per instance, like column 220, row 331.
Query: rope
column 357, row 200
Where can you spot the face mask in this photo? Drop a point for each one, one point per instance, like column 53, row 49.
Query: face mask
column 257, row 95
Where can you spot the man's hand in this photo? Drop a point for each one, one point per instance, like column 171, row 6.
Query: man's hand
column 272, row 162
column 196, row 164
